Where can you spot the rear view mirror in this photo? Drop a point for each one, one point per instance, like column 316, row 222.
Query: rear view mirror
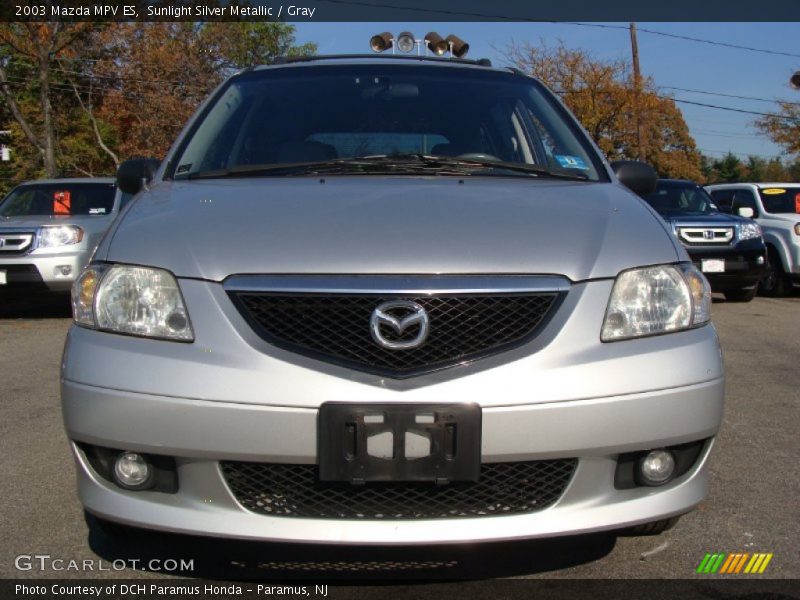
column 133, row 174
column 637, row 176
column 746, row 212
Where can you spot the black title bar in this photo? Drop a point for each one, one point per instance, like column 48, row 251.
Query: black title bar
column 398, row 10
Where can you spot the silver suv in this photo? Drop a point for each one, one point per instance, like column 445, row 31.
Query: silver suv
column 776, row 208
column 49, row 228
column 389, row 301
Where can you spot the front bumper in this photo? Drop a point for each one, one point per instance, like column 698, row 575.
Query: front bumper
column 745, row 264
column 230, row 396
column 201, row 433
column 43, row 272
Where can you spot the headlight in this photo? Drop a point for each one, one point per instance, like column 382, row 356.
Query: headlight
column 748, row 231
column 654, row 300
column 53, row 236
column 134, row 300
column 797, row 228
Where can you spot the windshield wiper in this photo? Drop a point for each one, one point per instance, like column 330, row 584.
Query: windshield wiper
column 278, row 168
column 486, row 163
column 407, row 163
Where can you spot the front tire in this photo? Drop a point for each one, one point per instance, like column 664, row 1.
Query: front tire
column 653, row 528
column 112, row 530
column 775, row 282
column 745, row 295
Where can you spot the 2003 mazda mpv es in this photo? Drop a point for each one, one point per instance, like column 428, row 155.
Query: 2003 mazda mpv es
column 389, row 301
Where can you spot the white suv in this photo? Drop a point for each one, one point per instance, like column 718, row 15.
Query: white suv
column 775, row 207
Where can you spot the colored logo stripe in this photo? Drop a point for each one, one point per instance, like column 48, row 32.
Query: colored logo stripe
column 737, row 562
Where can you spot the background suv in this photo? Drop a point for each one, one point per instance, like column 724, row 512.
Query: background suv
column 775, row 207
column 728, row 249
column 49, row 228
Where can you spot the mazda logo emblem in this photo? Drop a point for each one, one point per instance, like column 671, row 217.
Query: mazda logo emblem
column 399, row 315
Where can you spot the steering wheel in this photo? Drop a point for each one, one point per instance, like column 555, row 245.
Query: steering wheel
column 478, row 156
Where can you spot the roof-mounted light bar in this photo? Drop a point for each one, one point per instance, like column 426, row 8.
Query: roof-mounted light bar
column 405, row 42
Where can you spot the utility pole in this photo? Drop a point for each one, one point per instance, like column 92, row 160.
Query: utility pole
column 641, row 132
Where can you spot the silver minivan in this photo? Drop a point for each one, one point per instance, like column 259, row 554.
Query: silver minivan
column 390, row 301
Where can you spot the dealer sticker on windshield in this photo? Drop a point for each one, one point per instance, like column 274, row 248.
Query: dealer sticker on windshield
column 773, row 191
column 712, row 265
column 571, row 162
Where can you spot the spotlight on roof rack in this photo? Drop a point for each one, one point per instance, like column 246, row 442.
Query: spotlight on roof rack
column 436, row 43
column 406, row 42
column 382, row 41
column 458, row 47
column 795, row 80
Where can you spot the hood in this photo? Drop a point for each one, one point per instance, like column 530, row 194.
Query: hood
column 394, row 225
column 30, row 223
column 713, row 220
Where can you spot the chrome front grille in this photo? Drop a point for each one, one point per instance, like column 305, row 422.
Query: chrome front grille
column 705, row 236
column 15, row 243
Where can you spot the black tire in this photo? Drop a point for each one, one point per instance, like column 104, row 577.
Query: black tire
column 745, row 295
column 654, row 528
column 112, row 530
column 775, row 282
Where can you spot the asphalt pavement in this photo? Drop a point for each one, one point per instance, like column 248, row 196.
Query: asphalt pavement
column 753, row 505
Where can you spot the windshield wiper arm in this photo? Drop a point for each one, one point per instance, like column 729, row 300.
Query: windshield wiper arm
column 275, row 168
column 385, row 163
column 471, row 164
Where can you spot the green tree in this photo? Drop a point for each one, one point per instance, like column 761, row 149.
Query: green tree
column 240, row 45
column 783, row 127
column 78, row 98
column 36, row 46
column 755, row 168
column 729, row 168
column 775, row 170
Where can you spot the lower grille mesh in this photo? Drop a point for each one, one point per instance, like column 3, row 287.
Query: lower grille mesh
column 294, row 491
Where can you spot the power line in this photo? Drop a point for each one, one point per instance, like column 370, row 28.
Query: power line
column 525, row 20
column 692, row 102
column 684, row 37
column 678, row 89
column 731, row 109
column 726, row 152
column 715, row 133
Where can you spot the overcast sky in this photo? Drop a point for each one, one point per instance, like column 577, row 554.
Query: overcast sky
column 675, row 63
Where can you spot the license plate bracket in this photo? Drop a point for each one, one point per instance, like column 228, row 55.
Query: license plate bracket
column 346, row 452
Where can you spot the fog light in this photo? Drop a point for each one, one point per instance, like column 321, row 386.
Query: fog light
column 132, row 471
column 64, row 270
column 657, row 467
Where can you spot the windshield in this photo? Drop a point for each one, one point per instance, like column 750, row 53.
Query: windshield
column 59, row 199
column 314, row 114
column 681, row 198
column 781, row 200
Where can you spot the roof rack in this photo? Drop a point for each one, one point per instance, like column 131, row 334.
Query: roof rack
column 284, row 60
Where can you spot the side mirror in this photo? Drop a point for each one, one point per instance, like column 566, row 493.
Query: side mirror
column 746, row 212
column 637, row 176
column 133, row 174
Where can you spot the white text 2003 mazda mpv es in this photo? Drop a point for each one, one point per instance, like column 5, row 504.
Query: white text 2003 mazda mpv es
column 389, row 301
